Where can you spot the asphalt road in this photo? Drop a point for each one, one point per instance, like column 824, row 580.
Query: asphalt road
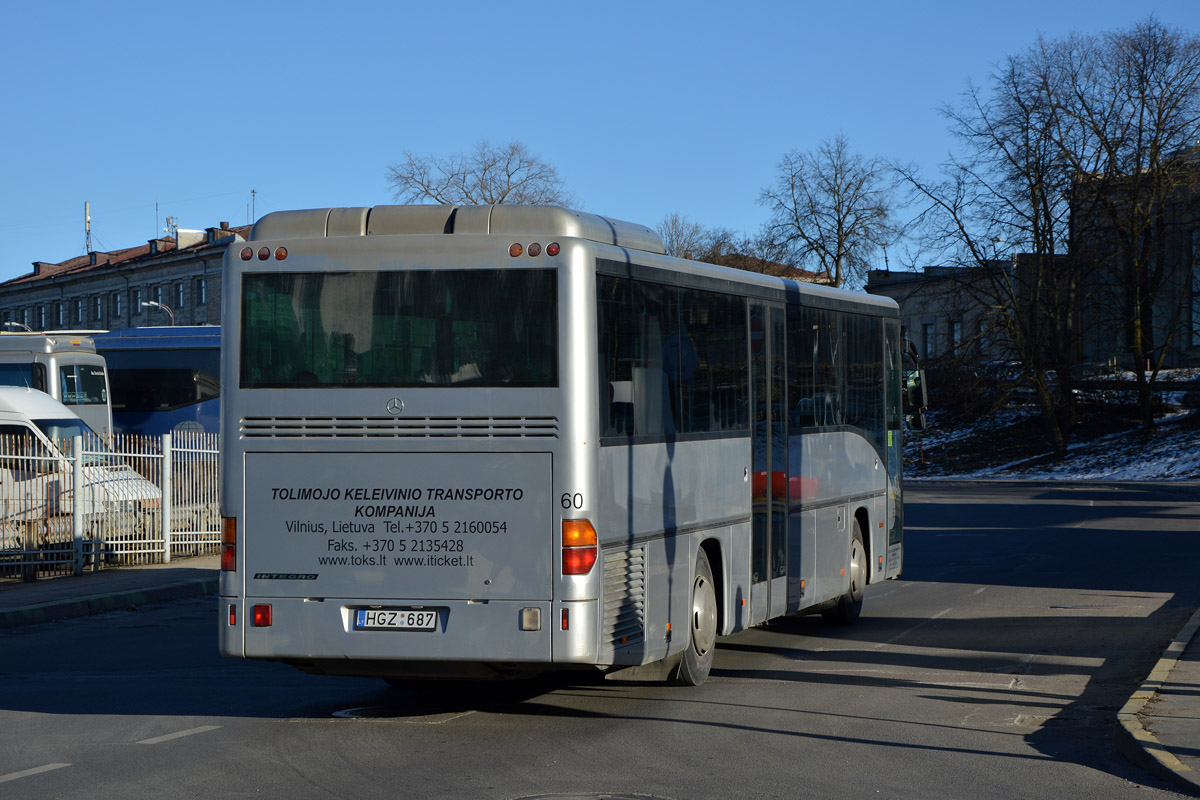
column 1026, row 616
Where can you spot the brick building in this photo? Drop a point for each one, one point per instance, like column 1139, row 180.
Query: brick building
column 110, row 290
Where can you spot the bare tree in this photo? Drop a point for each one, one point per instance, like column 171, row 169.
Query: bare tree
column 681, row 236
column 832, row 208
column 1073, row 159
column 486, row 175
column 1132, row 99
column 725, row 247
column 1001, row 211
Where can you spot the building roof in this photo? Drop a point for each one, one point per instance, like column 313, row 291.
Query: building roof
column 98, row 261
column 764, row 266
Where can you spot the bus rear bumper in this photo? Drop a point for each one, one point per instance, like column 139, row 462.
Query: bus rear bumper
column 322, row 636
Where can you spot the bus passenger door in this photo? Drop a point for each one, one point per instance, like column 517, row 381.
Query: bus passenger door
column 769, row 487
column 893, row 378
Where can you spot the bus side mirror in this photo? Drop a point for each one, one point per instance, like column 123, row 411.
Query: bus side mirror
column 916, row 398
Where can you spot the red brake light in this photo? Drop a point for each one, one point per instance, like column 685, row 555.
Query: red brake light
column 247, row 253
column 578, row 561
column 552, row 249
column 515, row 250
column 228, row 544
column 261, row 616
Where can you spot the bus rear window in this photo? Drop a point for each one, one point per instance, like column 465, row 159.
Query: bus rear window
column 488, row 328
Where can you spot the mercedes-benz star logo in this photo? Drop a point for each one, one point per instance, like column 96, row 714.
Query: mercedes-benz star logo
column 395, row 406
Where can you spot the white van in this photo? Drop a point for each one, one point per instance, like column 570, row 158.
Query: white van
column 65, row 366
column 35, row 471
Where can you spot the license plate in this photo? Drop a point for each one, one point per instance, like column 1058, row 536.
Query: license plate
column 394, row 619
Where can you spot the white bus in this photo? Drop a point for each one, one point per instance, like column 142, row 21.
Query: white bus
column 485, row 441
column 64, row 365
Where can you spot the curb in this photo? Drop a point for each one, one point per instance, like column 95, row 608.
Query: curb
column 103, row 603
column 1140, row 745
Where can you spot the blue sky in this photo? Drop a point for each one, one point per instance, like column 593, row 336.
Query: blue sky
column 148, row 110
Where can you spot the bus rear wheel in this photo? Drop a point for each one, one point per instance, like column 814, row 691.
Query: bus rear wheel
column 697, row 658
column 849, row 605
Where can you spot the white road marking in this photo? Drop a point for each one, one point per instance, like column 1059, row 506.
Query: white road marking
column 901, row 635
column 12, row 776
column 180, row 734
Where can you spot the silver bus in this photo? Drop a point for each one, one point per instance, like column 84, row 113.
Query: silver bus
column 64, row 365
column 494, row 440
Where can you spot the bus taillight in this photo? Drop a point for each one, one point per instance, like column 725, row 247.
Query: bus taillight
column 579, row 546
column 260, row 615
column 228, row 544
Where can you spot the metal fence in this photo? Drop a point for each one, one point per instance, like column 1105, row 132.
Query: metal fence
column 140, row 501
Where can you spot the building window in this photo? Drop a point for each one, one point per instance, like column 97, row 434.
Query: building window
column 41, row 318
column 97, row 308
column 79, row 311
column 157, row 293
column 956, row 329
column 179, row 295
column 927, row 334
column 60, row 315
column 201, row 291
column 116, row 305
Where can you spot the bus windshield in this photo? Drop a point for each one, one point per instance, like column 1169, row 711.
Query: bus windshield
column 83, row 384
column 60, row 431
column 480, row 327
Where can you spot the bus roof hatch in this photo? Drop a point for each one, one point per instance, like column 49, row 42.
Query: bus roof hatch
column 512, row 220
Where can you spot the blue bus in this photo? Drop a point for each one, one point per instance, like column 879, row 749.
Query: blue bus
column 163, row 379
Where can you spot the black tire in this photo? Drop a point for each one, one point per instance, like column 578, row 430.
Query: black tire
column 697, row 658
column 849, row 605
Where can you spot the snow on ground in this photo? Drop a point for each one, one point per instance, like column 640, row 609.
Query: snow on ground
column 1172, row 452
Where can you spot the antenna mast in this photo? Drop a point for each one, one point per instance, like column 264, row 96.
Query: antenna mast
column 87, row 226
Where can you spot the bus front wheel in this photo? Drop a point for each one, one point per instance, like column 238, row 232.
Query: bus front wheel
column 697, row 658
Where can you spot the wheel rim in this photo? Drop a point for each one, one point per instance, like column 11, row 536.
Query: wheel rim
column 858, row 568
column 704, row 615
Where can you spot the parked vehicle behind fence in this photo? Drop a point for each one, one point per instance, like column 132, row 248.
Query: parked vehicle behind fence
column 38, row 480
column 65, row 366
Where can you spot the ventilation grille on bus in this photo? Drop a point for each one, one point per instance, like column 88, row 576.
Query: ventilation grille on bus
column 400, row 427
column 624, row 598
